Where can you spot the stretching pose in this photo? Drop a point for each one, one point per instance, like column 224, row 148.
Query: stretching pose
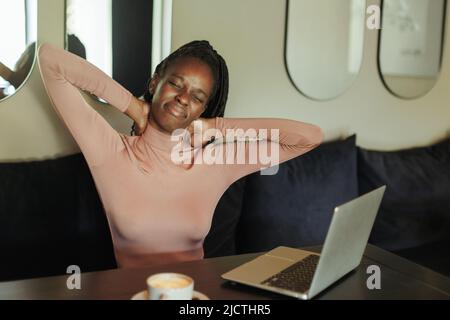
column 160, row 210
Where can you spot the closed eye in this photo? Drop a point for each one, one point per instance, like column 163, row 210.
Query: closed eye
column 173, row 84
column 198, row 99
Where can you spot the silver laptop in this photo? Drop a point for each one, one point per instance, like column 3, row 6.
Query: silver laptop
column 303, row 274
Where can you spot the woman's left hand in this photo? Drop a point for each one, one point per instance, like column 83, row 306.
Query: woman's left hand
column 198, row 130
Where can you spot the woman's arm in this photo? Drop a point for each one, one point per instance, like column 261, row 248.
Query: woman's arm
column 63, row 74
column 5, row 72
column 258, row 143
column 138, row 110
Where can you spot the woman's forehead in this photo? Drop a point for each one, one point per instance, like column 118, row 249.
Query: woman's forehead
column 192, row 69
column 188, row 65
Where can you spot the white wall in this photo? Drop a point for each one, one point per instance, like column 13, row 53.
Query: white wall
column 250, row 35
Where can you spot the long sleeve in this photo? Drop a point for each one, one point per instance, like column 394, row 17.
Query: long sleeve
column 63, row 74
column 281, row 141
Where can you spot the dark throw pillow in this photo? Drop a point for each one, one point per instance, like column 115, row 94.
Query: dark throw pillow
column 416, row 206
column 294, row 207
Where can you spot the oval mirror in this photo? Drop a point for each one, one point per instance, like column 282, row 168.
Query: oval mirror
column 324, row 45
column 114, row 35
column 410, row 48
column 18, row 45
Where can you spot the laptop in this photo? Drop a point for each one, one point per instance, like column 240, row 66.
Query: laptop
column 303, row 274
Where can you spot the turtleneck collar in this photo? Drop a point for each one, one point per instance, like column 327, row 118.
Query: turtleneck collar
column 164, row 141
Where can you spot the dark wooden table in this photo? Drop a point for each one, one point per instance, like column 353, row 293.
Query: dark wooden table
column 400, row 279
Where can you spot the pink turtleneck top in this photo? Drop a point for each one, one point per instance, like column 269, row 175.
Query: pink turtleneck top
column 158, row 210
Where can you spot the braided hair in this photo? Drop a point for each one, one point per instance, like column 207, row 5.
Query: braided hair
column 202, row 50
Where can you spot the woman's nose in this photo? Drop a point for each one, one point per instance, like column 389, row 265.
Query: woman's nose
column 183, row 98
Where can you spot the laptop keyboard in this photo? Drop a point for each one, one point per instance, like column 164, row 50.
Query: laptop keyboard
column 297, row 277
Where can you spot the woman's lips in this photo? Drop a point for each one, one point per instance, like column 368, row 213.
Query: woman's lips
column 176, row 111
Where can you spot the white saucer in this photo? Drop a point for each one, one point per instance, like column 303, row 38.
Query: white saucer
column 143, row 295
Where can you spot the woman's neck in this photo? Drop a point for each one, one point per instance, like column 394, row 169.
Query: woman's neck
column 156, row 136
column 156, row 126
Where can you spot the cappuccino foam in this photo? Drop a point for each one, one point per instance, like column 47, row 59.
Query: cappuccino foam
column 171, row 283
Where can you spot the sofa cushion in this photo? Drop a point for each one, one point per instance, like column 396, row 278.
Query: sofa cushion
column 51, row 217
column 294, row 207
column 221, row 239
column 416, row 206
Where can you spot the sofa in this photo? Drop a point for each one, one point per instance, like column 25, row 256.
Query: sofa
column 294, row 207
column 51, row 215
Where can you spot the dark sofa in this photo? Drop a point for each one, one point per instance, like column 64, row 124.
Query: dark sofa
column 294, row 207
column 51, row 216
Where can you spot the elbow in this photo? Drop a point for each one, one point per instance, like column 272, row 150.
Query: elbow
column 44, row 54
column 48, row 57
column 43, row 50
column 320, row 135
column 316, row 136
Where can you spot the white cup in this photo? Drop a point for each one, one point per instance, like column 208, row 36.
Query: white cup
column 170, row 286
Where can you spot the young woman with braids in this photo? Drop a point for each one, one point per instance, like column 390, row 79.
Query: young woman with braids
column 158, row 210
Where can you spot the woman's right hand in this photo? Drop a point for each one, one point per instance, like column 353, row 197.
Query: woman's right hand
column 138, row 111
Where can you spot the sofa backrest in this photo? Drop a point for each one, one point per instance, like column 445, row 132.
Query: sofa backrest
column 294, row 207
column 50, row 218
column 415, row 210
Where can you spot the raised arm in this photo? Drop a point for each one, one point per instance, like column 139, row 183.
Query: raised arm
column 5, row 72
column 285, row 139
column 63, row 74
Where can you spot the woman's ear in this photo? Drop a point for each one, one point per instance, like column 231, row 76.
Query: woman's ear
column 153, row 84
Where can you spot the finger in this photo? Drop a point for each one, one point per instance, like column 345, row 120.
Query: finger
column 146, row 109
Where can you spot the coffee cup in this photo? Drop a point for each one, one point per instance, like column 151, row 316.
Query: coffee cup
column 170, row 286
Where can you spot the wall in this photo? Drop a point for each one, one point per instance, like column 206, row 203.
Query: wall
column 29, row 127
column 250, row 35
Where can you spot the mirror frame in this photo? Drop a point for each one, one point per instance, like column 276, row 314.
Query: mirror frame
column 286, row 65
column 441, row 56
column 34, row 62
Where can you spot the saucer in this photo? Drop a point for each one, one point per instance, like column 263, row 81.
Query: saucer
column 143, row 295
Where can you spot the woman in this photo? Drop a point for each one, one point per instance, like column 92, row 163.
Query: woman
column 160, row 210
column 21, row 69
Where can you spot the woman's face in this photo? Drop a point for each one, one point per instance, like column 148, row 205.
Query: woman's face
column 180, row 94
